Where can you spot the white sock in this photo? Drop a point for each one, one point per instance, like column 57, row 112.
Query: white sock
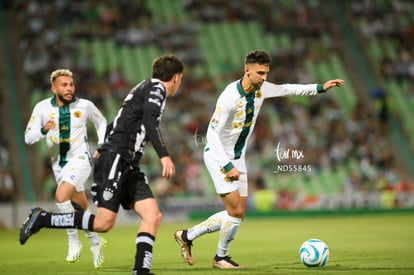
column 227, row 233
column 212, row 224
column 66, row 207
column 92, row 236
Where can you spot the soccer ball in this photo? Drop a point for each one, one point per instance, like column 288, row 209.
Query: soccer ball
column 313, row 253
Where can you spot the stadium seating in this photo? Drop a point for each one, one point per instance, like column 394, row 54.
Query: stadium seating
column 334, row 68
column 382, row 47
column 224, row 42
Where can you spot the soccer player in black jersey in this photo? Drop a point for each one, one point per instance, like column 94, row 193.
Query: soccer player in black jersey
column 118, row 179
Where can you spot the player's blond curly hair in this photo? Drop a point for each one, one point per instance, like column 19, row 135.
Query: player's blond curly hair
column 59, row 72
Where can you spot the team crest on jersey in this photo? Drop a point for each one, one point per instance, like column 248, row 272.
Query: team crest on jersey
column 77, row 114
column 107, row 194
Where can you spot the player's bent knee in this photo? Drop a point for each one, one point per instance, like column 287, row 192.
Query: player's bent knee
column 237, row 213
column 100, row 225
column 153, row 218
column 157, row 217
column 103, row 227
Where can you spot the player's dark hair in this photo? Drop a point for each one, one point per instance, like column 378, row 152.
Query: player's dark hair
column 260, row 57
column 166, row 66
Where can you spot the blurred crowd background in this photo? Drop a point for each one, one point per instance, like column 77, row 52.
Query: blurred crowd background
column 353, row 145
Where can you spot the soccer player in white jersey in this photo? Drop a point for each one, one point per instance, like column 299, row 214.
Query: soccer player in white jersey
column 118, row 179
column 229, row 129
column 62, row 121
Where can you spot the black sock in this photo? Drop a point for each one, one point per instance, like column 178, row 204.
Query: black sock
column 143, row 256
column 67, row 220
column 184, row 236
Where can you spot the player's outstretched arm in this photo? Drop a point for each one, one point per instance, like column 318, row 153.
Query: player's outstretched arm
column 333, row 83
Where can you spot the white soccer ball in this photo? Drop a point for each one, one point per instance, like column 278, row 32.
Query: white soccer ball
column 313, row 253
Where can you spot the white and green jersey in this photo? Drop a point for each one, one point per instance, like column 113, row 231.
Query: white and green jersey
column 235, row 116
column 69, row 139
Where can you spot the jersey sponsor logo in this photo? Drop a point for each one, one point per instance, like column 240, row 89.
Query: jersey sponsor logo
column 77, row 114
column 107, row 194
column 217, row 111
column 57, row 140
column 236, row 125
column 63, row 220
column 156, row 101
column 54, row 140
column 239, row 114
column 157, row 93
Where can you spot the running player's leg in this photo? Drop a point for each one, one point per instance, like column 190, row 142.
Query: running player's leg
column 63, row 195
column 235, row 210
column 185, row 237
column 76, row 172
column 234, row 197
column 151, row 217
column 97, row 242
column 105, row 195
column 138, row 195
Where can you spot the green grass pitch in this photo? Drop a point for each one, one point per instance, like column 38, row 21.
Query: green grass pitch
column 359, row 244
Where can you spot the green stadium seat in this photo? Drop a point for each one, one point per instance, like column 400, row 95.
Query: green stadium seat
column 346, row 94
column 99, row 58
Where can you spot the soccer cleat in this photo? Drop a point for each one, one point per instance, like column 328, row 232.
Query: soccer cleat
column 140, row 272
column 74, row 252
column 28, row 227
column 97, row 253
column 185, row 247
column 225, row 262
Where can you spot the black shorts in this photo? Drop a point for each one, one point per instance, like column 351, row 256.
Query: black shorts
column 117, row 183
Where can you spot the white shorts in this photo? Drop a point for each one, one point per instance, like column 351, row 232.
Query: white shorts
column 218, row 176
column 75, row 172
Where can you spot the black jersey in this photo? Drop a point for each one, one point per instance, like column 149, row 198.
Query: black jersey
column 137, row 122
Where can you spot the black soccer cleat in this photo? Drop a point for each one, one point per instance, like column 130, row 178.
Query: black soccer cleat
column 28, row 229
column 225, row 262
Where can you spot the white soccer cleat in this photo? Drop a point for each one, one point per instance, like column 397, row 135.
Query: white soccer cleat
column 74, row 252
column 98, row 258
